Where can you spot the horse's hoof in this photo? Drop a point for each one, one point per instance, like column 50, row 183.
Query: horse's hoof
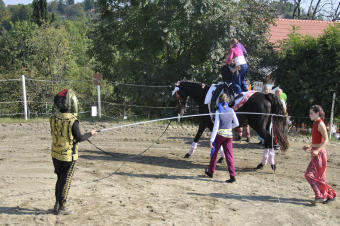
column 220, row 160
column 273, row 167
column 187, row 155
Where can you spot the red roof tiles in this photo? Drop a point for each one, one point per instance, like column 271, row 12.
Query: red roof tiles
column 304, row 27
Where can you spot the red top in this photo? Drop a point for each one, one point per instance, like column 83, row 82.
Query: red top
column 317, row 137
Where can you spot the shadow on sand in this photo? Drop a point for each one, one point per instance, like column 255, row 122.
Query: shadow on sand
column 151, row 160
column 261, row 198
column 24, row 211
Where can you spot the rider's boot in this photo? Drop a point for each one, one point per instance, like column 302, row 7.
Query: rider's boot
column 230, row 92
column 214, row 97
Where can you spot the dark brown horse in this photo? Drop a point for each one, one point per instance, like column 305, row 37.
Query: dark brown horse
column 257, row 103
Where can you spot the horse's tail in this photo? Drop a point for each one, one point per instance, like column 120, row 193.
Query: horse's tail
column 280, row 124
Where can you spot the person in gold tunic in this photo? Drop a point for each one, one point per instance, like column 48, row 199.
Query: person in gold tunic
column 65, row 138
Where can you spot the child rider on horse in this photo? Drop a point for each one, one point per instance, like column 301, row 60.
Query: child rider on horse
column 236, row 53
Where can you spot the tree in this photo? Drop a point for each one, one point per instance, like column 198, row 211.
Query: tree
column 40, row 12
column 89, row 4
column 283, row 8
column 46, row 53
column 335, row 14
column 2, row 5
column 75, row 12
column 20, row 12
column 4, row 17
column 159, row 42
column 61, row 6
column 309, row 70
column 70, row 2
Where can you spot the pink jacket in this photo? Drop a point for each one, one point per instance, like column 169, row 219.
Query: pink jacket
column 237, row 53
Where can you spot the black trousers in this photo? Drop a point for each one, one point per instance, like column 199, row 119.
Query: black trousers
column 64, row 171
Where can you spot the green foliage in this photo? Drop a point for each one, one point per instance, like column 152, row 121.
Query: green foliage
column 283, row 8
column 44, row 53
column 13, row 14
column 75, row 12
column 160, row 42
column 2, row 5
column 89, row 4
column 21, row 13
column 40, row 12
column 70, row 2
column 309, row 71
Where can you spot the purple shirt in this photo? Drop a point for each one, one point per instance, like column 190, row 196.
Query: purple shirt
column 241, row 47
column 233, row 53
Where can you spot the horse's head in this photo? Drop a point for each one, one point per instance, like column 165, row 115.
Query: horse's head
column 181, row 96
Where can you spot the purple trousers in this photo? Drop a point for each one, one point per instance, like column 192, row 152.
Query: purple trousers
column 227, row 144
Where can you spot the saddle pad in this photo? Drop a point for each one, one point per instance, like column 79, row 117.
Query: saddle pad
column 238, row 102
column 208, row 96
column 241, row 101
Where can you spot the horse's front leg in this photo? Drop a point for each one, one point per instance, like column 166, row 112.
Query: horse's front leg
column 193, row 147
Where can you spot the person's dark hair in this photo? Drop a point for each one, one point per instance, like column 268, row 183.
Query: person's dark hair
column 318, row 108
column 59, row 102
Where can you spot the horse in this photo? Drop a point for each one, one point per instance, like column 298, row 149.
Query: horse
column 257, row 103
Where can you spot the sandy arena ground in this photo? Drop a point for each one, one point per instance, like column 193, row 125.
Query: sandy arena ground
column 159, row 187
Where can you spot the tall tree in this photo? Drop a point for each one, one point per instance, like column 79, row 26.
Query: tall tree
column 89, row 4
column 70, row 2
column 40, row 12
column 2, row 5
column 61, row 6
column 20, row 12
column 283, row 8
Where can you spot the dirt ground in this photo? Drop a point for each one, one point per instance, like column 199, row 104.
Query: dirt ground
column 158, row 187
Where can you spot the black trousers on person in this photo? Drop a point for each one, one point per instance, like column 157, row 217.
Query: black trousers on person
column 64, row 171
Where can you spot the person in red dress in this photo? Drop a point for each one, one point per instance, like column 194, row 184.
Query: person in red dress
column 316, row 170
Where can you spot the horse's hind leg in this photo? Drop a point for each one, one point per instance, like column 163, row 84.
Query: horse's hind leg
column 268, row 153
column 193, row 147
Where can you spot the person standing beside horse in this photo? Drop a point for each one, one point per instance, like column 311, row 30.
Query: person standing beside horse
column 316, row 170
column 283, row 98
column 65, row 137
column 239, row 130
column 236, row 53
column 225, row 121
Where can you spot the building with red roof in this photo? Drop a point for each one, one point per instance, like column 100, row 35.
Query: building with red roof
column 304, row 27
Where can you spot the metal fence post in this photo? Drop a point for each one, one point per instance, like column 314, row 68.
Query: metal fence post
column 99, row 103
column 332, row 116
column 24, row 95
